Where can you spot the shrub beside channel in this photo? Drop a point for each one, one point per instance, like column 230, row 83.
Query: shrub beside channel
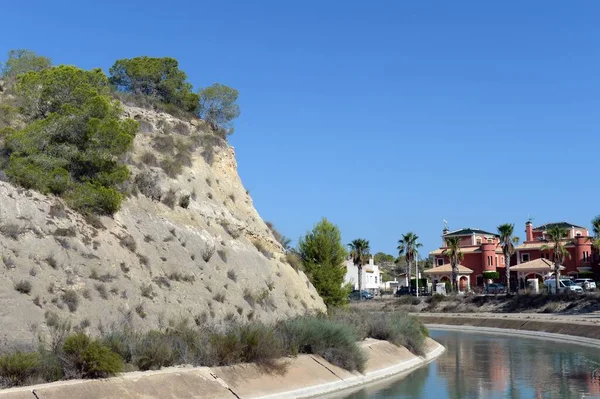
column 336, row 338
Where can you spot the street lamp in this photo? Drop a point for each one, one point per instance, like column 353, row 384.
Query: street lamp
column 417, row 274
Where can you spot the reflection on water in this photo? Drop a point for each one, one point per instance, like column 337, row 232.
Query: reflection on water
column 499, row 366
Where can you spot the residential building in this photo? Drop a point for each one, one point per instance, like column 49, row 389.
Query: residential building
column 577, row 243
column 481, row 252
column 371, row 277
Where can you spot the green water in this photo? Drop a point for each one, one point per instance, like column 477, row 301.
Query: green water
column 498, row 366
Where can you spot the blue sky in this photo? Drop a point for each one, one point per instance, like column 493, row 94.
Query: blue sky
column 383, row 116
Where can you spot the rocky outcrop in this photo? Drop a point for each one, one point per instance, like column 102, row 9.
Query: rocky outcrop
column 197, row 250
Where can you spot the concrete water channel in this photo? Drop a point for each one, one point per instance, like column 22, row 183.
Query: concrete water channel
column 497, row 365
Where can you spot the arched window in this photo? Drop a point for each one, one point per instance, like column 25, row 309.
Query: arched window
column 478, row 240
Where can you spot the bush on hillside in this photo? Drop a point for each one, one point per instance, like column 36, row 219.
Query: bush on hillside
column 71, row 112
column 283, row 240
column 22, row 61
column 218, row 107
column 16, row 369
column 89, row 358
column 158, row 78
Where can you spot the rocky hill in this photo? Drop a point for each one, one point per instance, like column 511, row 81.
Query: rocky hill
column 186, row 244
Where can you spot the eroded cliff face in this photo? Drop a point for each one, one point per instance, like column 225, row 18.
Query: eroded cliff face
column 211, row 260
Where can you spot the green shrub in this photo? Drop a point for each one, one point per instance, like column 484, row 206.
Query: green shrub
column 22, row 61
column 294, row 260
column 70, row 110
column 491, row 275
column 89, row 358
column 23, row 286
column 170, row 198
column 71, row 299
column 336, row 342
column 158, row 78
column 218, row 107
column 435, row 299
column 153, row 351
column 408, row 300
column 94, row 198
column 17, row 368
column 184, row 201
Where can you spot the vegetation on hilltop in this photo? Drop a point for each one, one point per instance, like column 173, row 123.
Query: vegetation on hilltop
column 159, row 78
column 73, row 138
column 61, row 130
column 22, row 61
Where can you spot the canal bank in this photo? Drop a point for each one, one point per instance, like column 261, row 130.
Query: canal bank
column 305, row 376
column 577, row 328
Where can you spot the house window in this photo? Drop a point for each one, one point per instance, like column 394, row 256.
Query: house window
column 578, row 234
column 490, row 260
column 440, row 261
column 478, row 241
column 524, row 257
column 375, row 279
column 490, row 240
column 586, row 256
column 502, row 259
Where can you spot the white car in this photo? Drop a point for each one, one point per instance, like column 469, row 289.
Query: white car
column 565, row 285
column 586, row 283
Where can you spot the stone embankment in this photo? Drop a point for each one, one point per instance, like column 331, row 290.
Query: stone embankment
column 304, row 376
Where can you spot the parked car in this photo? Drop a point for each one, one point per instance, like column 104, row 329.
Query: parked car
column 495, row 288
column 355, row 295
column 403, row 291
column 586, row 283
column 565, row 285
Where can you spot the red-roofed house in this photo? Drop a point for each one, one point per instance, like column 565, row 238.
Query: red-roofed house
column 481, row 252
column 577, row 243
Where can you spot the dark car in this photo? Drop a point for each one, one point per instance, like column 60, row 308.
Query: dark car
column 495, row 288
column 403, row 291
column 354, row 295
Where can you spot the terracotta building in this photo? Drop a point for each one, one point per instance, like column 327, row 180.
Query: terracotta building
column 577, row 242
column 481, row 252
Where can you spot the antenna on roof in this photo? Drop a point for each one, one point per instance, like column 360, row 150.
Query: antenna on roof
column 445, row 224
column 530, row 219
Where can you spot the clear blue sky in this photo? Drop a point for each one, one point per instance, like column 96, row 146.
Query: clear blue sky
column 383, row 116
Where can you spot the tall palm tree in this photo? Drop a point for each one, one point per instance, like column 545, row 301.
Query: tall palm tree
column 359, row 251
column 556, row 235
column 508, row 242
column 408, row 246
column 455, row 255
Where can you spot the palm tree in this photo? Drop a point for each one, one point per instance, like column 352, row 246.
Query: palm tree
column 596, row 239
column 408, row 246
column 556, row 235
column 455, row 255
column 359, row 251
column 508, row 242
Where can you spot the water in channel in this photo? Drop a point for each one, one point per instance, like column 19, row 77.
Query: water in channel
column 479, row 365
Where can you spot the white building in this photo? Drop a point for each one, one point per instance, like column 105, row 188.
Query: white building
column 371, row 279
